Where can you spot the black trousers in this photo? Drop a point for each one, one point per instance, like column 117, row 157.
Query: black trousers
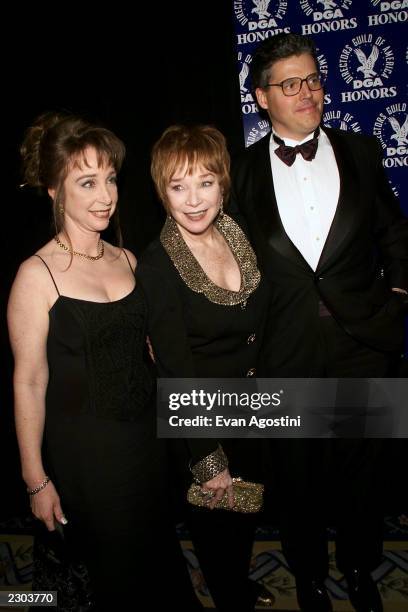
column 222, row 539
column 223, row 543
column 321, row 482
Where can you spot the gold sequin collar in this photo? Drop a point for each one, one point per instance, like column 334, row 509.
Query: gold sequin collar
column 195, row 277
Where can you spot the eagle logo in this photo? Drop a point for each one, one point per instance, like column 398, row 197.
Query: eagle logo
column 261, row 8
column 367, row 64
column 400, row 132
column 327, row 4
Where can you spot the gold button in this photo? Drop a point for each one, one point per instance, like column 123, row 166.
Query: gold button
column 251, row 372
column 251, row 338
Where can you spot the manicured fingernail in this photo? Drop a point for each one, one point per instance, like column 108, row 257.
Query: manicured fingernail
column 64, row 520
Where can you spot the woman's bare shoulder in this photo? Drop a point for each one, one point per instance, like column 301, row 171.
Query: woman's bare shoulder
column 114, row 252
column 34, row 265
column 33, row 278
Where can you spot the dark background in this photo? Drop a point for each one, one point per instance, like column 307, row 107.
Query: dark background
column 96, row 62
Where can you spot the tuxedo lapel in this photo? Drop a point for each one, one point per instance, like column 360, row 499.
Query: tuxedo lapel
column 345, row 215
column 268, row 220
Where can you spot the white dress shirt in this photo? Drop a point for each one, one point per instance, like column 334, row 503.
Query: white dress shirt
column 307, row 194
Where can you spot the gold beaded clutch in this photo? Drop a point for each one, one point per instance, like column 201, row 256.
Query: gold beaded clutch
column 248, row 496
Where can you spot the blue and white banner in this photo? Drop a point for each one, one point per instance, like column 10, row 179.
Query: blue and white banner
column 362, row 47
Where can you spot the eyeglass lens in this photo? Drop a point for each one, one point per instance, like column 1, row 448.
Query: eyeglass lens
column 292, row 86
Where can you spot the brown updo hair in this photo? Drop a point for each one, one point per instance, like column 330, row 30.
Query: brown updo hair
column 53, row 142
column 190, row 145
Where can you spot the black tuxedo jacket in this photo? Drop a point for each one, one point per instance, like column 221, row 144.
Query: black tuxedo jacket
column 365, row 254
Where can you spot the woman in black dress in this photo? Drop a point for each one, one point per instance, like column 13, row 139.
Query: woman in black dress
column 203, row 269
column 84, row 400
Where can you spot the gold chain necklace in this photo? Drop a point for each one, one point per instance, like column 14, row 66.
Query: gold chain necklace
column 84, row 255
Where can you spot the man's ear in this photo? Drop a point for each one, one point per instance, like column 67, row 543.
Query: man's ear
column 261, row 98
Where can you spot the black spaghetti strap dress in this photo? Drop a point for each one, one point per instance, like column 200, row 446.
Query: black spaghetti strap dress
column 101, row 451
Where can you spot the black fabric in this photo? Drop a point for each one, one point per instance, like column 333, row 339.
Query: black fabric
column 223, row 543
column 208, row 340
column 102, row 453
column 365, row 255
column 337, row 482
column 205, row 339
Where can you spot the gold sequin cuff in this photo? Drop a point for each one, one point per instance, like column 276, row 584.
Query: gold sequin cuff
column 210, row 466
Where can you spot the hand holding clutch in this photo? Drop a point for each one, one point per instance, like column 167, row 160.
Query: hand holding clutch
column 248, row 496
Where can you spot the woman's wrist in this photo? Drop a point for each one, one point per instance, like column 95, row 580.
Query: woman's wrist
column 39, row 487
column 210, row 466
column 34, row 480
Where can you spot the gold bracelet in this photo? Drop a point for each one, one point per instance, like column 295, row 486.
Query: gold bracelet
column 39, row 488
column 210, row 466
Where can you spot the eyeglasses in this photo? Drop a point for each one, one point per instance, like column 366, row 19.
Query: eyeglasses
column 292, row 86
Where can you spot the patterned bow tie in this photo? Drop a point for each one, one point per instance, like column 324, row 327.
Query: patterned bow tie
column 288, row 154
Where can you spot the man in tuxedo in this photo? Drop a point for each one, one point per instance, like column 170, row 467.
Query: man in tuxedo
column 331, row 239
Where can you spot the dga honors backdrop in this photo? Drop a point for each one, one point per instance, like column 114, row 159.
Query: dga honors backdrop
column 362, row 48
